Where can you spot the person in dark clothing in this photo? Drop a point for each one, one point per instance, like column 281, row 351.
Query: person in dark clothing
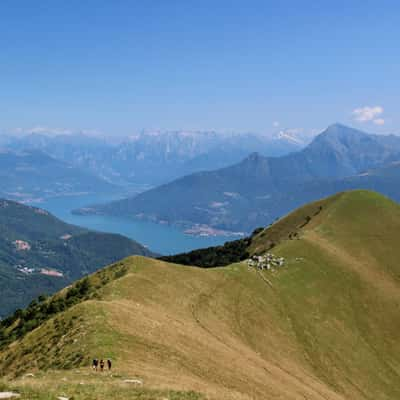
column 95, row 363
column 109, row 364
column 101, row 365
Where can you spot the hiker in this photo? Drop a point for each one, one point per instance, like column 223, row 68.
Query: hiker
column 95, row 363
column 109, row 364
column 101, row 365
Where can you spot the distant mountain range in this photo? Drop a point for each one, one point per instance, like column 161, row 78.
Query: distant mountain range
column 40, row 254
column 154, row 157
column 33, row 174
column 260, row 189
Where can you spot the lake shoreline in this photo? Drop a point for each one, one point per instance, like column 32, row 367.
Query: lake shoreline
column 163, row 239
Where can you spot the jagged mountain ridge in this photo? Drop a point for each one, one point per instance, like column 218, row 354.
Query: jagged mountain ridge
column 259, row 189
column 154, row 157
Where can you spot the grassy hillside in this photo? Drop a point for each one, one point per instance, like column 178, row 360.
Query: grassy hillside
column 34, row 242
column 258, row 243
column 323, row 327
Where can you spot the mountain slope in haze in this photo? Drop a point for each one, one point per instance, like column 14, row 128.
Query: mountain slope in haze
column 154, row 157
column 323, row 327
column 41, row 254
column 259, row 189
column 34, row 174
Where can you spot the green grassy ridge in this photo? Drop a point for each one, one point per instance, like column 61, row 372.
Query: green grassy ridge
column 22, row 322
column 290, row 226
column 351, row 294
column 346, row 329
column 261, row 240
column 325, row 328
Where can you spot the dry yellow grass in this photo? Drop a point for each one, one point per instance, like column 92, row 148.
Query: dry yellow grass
column 326, row 329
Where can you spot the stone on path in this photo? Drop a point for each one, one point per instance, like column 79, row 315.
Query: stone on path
column 8, row 395
column 135, row 381
column 62, row 398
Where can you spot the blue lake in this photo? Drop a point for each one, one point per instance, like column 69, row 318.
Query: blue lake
column 162, row 239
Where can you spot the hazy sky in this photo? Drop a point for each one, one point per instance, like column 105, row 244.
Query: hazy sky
column 118, row 66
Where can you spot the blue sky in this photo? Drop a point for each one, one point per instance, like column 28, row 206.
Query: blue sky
column 119, row 66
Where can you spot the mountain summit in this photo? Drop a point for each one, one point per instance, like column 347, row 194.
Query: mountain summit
column 260, row 189
column 341, row 151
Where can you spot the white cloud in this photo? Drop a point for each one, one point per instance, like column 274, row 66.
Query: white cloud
column 275, row 124
column 367, row 114
column 379, row 121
